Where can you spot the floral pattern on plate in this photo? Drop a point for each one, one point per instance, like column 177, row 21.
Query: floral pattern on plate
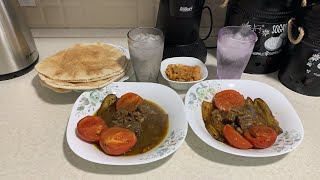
column 168, row 145
column 203, row 91
column 280, row 106
column 89, row 102
column 286, row 141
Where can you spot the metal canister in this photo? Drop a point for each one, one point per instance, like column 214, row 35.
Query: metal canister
column 18, row 52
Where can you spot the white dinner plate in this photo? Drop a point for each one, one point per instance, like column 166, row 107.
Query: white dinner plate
column 281, row 108
column 89, row 102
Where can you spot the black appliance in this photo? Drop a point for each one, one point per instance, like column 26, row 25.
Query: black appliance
column 268, row 18
column 180, row 22
column 300, row 70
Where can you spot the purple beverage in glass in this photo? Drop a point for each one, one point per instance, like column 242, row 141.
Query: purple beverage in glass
column 234, row 48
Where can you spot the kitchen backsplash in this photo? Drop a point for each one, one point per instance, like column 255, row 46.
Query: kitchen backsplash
column 106, row 14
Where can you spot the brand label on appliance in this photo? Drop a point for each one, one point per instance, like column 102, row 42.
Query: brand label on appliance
column 279, row 28
column 271, row 37
column 186, row 9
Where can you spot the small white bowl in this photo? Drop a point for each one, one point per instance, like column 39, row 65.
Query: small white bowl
column 190, row 61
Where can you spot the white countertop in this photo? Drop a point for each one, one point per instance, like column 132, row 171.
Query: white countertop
column 33, row 143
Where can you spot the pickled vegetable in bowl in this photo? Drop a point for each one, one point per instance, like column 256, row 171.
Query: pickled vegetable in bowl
column 183, row 73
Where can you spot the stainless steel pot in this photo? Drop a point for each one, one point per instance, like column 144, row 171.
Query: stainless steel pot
column 18, row 53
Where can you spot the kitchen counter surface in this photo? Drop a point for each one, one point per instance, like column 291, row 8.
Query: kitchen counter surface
column 33, row 145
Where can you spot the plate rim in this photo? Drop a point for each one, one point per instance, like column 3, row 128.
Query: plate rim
column 150, row 160
column 190, row 122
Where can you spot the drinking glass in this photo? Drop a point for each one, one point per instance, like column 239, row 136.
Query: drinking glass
column 146, row 50
column 234, row 48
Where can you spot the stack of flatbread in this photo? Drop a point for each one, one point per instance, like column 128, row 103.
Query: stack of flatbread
column 83, row 67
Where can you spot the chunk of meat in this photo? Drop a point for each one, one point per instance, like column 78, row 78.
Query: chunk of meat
column 229, row 117
column 129, row 120
column 247, row 117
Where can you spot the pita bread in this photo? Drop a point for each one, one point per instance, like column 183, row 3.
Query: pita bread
column 63, row 85
column 81, row 86
column 125, row 69
column 84, row 63
column 58, row 90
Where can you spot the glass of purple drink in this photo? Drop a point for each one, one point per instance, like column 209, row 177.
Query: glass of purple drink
column 234, row 48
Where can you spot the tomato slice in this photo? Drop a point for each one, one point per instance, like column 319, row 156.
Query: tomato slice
column 89, row 128
column 129, row 102
column 117, row 141
column 261, row 136
column 227, row 99
column 234, row 138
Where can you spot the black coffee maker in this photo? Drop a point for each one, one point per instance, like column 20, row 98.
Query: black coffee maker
column 180, row 22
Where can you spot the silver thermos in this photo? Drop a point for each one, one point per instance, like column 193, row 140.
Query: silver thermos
column 18, row 53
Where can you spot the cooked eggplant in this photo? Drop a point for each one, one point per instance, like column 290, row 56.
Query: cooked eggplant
column 217, row 120
column 249, row 101
column 242, row 118
column 214, row 133
column 206, row 110
column 107, row 102
column 209, row 121
column 265, row 113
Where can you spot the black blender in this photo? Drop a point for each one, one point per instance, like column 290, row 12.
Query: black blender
column 180, row 22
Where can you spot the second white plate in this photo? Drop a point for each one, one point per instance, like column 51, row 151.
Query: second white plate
column 281, row 108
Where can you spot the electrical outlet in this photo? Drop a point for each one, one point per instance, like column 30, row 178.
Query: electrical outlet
column 27, row 2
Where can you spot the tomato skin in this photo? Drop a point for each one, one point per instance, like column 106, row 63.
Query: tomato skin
column 225, row 100
column 89, row 128
column 129, row 101
column 235, row 139
column 260, row 136
column 117, row 141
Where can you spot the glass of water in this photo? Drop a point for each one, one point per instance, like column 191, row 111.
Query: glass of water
column 146, row 51
column 234, row 49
